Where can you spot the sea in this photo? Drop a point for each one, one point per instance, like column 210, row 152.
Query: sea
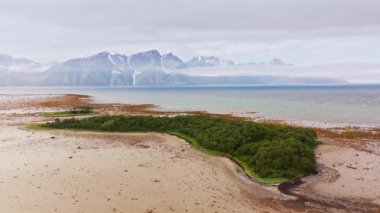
column 312, row 105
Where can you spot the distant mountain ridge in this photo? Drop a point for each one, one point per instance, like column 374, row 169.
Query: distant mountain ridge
column 147, row 68
column 170, row 61
column 6, row 60
column 147, row 60
column 8, row 63
column 101, row 69
column 208, row 61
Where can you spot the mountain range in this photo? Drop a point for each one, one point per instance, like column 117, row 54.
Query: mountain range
column 148, row 68
column 17, row 64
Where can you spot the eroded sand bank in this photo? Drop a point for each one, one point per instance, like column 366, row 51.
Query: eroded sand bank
column 358, row 173
column 66, row 171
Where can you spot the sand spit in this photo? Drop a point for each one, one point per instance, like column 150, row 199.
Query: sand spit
column 68, row 171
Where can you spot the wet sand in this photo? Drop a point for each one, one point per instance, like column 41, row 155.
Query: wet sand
column 69, row 171
column 348, row 180
column 359, row 173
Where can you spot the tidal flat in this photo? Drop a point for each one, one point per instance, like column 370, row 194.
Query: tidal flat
column 71, row 171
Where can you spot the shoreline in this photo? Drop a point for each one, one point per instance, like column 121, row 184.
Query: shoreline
column 158, row 109
column 307, row 193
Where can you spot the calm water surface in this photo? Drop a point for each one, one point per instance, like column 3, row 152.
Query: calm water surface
column 315, row 105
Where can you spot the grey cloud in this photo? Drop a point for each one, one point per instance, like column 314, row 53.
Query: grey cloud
column 200, row 14
column 60, row 29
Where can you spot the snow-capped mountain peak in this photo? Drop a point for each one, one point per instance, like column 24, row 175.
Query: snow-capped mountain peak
column 170, row 61
column 277, row 62
column 208, row 61
column 147, row 60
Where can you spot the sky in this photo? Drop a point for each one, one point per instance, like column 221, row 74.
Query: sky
column 304, row 32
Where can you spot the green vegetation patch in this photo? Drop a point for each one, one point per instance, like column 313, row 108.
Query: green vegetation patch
column 271, row 153
column 76, row 111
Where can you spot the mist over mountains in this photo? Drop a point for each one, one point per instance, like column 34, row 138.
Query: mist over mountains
column 149, row 68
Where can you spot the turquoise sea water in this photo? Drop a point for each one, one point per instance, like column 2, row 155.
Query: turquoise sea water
column 356, row 105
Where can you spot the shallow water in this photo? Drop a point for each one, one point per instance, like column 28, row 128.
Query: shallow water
column 356, row 105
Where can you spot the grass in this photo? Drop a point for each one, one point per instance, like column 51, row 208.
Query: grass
column 66, row 114
column 76, row 111
column 38, row 127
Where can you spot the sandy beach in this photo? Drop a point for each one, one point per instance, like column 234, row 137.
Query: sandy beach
column 359, row 173
column 70, row 171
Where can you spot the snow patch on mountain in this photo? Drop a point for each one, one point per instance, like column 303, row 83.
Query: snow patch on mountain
column 135, row 74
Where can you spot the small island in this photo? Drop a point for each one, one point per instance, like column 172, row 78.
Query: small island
column 270, row 153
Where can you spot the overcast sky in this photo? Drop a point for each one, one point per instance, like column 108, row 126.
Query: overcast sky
column 297, row 31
